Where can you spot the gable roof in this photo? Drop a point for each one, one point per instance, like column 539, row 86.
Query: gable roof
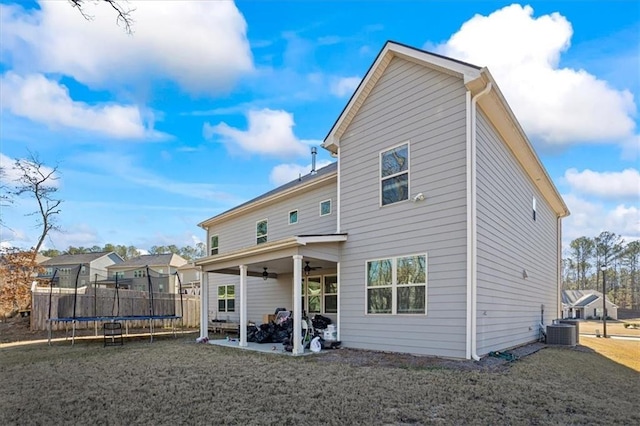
column 581, row 298
column 476, row 79
column 75, row 259
column 302, row 183
column 171, row 259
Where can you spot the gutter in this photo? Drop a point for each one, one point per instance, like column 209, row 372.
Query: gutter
column 472, row 229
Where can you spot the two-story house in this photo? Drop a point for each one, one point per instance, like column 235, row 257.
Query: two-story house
column 437, row 231
column 85, row 268
column 160, row 269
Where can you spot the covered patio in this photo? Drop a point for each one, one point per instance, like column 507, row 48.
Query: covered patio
column 283, row 260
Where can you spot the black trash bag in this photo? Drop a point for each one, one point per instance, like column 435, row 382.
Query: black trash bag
column 263, row 336
column 320, row 322
column 251, row 334
column 279, row 310
column 280, row 336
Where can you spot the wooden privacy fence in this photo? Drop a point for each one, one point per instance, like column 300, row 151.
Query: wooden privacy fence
column 106, row 302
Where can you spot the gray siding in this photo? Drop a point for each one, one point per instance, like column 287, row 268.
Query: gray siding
column 426, row 107
column 510, row 241
column 240, row 232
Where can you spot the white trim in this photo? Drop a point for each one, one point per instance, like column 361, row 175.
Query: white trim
column 289, row 217
column 330, row 207
column 338, row 196
column 302, row 240
column 226, row 298
column 472, row 270
column 243, row 305
column 204, row 305
column 408, row 172
column 394, row 285
column 338, row 314
column 297, row 308
column 265, row 235
column 211, row 244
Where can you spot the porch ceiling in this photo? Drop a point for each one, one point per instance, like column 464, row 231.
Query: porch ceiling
column 321, row 251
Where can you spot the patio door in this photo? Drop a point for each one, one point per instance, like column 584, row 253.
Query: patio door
column 320, row 294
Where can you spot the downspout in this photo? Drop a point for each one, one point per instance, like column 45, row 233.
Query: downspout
column 559, row 300
column 472, row 228
column 338, row 195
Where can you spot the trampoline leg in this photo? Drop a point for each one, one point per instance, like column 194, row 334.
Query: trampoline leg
column 49, row 327
column 73, row 332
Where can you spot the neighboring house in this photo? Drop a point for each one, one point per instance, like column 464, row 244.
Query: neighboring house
column 586, row 304
column 189, row 275
column 438, row 230
column 86, row 267
column 132, row 273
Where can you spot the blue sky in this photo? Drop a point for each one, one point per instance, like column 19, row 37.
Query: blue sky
column 209, row 104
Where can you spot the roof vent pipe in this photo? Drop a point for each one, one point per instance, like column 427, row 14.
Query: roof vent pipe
column 314, row 152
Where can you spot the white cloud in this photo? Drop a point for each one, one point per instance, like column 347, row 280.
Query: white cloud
column 11, row 174
column 78, row 235
column 558, row 106
column 39, row 99
column 345, row 86
column 284, row 173
column 590, row 219
column 609, row 185
column 200, row 45
column 270, row 132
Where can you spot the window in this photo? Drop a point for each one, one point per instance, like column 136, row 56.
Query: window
column 214, row 245
column 397, row 285
column 534, row 209
column 394, row 175
column 226, row 298
column 83, row 270
column 293, row 217
column 139, row 273
column 261, row 232
column 118, row 274
column 320, row 294
column 331, row 294
column 325, row 207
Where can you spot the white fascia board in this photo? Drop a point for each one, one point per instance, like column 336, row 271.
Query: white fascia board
column 321, row 239
column 250, row 251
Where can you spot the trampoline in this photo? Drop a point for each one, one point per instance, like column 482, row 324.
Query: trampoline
column 138, row 300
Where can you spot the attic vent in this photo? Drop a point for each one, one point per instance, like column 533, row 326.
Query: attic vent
column 314, row 152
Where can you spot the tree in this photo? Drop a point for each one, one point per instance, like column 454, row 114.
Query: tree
column 50, row 252
column 630, row 259
column 5, row 192
column 38, row 181
column 123, row 14
column 17, row 270
column 582, row 251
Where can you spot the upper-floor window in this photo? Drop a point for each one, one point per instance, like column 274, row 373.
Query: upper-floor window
column 394, row 175
column 139, row 273
column 261, row 232
column 397, row 285
column 83, row 270
column 226, row 298
column 293, row 217
column 214, row 245
column 118, row 274
column 325, row 207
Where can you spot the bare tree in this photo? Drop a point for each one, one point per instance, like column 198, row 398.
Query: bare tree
column 5, row 193
column 37, row 180
column 581, row 251
column 123, row 14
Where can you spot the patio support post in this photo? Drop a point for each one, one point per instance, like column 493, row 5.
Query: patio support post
column 204, row 305
column 297, row 305
column 243, row 305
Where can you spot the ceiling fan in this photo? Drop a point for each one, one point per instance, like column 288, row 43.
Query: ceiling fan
column 307, row 269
